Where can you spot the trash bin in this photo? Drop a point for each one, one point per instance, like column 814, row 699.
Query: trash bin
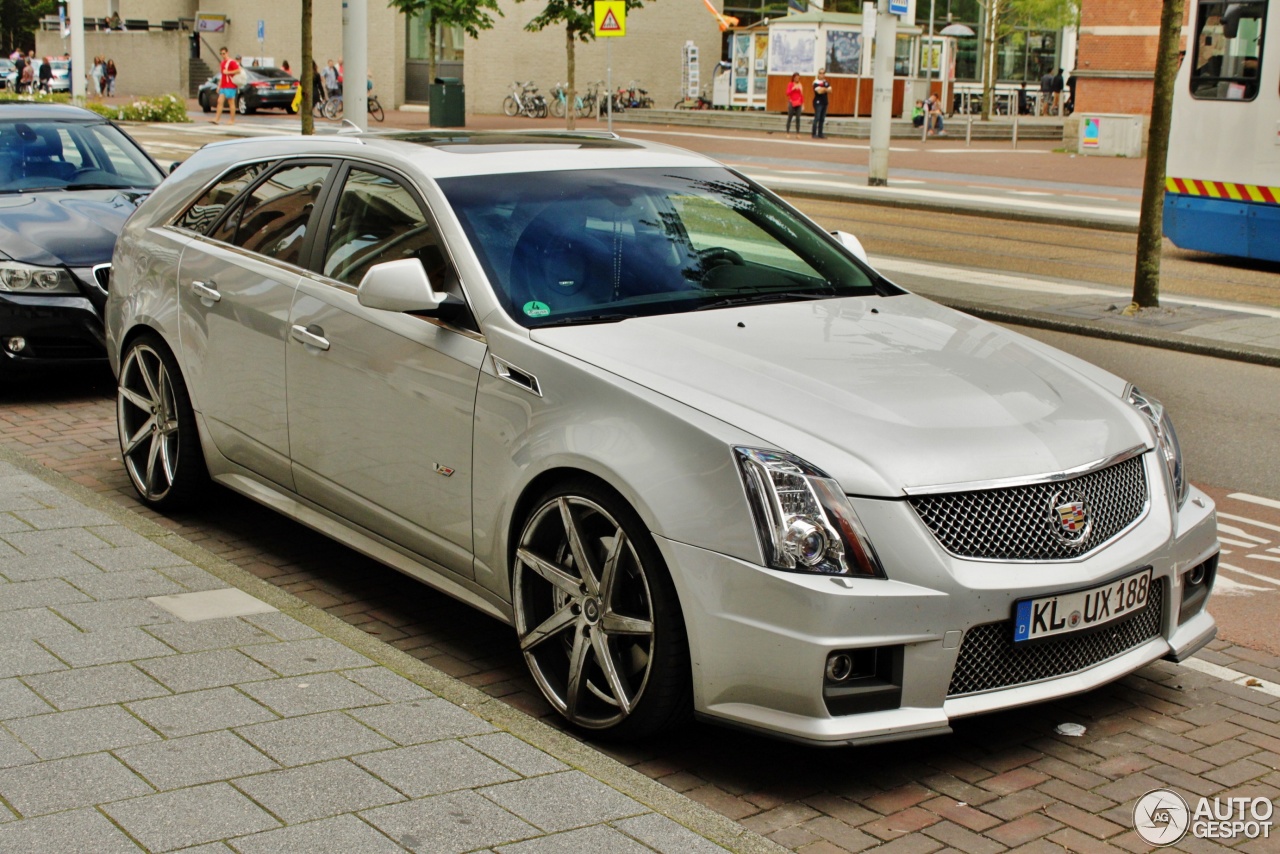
column 448, row 103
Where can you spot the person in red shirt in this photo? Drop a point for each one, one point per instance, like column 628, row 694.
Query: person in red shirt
column 795, row 102
column 227, row 88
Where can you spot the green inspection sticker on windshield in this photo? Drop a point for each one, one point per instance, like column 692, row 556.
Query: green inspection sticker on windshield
column 533, row 308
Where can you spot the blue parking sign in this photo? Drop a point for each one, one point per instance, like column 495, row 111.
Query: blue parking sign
column 262, row 29
column 898, row 7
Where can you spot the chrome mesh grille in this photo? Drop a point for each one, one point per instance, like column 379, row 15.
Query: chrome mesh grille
column 989, row 659
column 1017, row 522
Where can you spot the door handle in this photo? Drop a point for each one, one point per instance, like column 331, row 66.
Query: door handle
column 206, row 290
column 311, row 339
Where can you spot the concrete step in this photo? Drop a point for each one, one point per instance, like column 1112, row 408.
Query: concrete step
column 198, row 71
column 757, row 120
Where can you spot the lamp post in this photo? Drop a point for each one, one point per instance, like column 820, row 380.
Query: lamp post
column 955, row 31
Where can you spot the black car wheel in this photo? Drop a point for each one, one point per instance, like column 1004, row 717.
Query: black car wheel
column 204, row 102
column 242, row 106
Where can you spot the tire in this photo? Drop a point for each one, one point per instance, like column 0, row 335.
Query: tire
column 375, row 110
column 622, row 610
column 509, row 106
column 204, row 104
column 333, row 108
column 557, row 108
column 288, row 108
column 540, row 108
column 243, row 108
column 159, row 443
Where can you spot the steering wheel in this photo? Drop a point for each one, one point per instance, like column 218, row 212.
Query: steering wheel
column 714, row 256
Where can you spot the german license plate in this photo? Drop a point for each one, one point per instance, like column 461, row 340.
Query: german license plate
column 1079, row 610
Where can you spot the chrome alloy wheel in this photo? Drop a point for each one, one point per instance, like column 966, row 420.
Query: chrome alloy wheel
column 584, row 611
column 147, row 416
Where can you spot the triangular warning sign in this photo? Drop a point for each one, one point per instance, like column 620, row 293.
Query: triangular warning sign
column 610, row 23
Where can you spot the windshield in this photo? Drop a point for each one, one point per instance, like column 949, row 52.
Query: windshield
column 53, row 155
column 598, row 246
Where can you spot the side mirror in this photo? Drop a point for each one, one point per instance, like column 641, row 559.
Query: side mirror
column 173, row 166
column 848, row 241
column 399, row 286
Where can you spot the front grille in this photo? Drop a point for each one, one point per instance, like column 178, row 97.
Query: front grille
column 989, row 659
column 1019, row 523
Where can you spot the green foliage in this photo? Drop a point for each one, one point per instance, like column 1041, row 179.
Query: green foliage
column 162, row 108
column 1040, row 14
column 19, row 19
column 577, row 16
column 471, row 15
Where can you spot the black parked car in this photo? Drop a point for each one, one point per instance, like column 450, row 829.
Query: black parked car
column 267, row 88
column 68, row 181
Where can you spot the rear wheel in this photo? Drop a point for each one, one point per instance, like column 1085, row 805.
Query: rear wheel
column 242, row 106
column 375, row 110
column 557, row 108
column 509, row 106
column 597, row 615
column 158, row 439
column 204, row 103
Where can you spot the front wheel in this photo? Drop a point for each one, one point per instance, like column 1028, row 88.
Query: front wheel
column 158, row 440
column 333, row 108
column 375, row 110
column 242, row 106
column 509, row 106
column 597, row 615
column 557, row 108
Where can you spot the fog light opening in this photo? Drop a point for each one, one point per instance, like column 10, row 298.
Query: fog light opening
column 1196, row 576
column 839, row 667
column 16, row 344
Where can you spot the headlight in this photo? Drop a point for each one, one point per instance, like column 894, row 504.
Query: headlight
column 28, row 279
column 804, row 522
column 1166, row 441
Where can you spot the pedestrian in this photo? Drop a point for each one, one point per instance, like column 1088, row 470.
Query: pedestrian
column 111, row 78
column 1046, row 93
column 318, row 93
column 795, row 102
column 1071, row 93
column 95, row 76
column 26, row 83
column 917, row 114
column 284, row 66
column 228, row 68
column 1057, row 92
column 821, row 96
column 1024, row 108
column 933, row 110
column 46, row 76
column 330, row 80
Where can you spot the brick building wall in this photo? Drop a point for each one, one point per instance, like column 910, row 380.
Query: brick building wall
column 1116, row 56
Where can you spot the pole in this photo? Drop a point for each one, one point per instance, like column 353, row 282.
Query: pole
column 928, row 86
column 608, row 78
column 79, row 67
column 882, row 96
column 355, row 62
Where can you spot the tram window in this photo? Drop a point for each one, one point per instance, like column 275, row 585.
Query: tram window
column 1228, row 50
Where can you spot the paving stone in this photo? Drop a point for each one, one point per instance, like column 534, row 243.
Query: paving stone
column 43, row 565
column 587, row 840
column 313, row 738
column 146, row 556
column 193, row 578
column 38, row 594
column 75, row 515
column 294, row 658
column 18, row 701
column 419, row 721
column 119, row 536
column 211, row 634
column 306, row 695
column 195, row 759
column 284, row 627
column 95, row 686
column 664, row 835
column 13, row 753
column 173, row 820
column 211, row 604
column 60, row 734
column 81, row 781
column 52, row 543
column 344, row 834
column 449, row 824
column 200, row 711
column 521, row 757
column 199, row 670
column 120, row 614
column 963, row 839
column 26, row 657
column 105, row 647
column 563, row 801
column 430, row 769
column 129, row 584
column 84, row 830
column 31, row 624
column 318, row 791
column 390, row 686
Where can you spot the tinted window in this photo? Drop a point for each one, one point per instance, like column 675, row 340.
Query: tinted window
column 273, row 217
column 201, row 216
column 1228, row 51
column 377, row 220
column 53, row 155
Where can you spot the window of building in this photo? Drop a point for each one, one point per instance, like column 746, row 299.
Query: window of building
column 1228, row 50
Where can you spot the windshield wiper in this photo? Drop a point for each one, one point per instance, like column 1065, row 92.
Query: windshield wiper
column 31, row 189
column 766, row 296
column 590, row 318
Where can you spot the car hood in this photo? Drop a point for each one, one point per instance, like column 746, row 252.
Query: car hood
column 885, row 394
column 74, row 228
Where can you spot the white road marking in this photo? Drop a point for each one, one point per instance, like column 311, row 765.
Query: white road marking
column 1224, row 586
column 1230, row 542
column 1029, row 193
column 1230, row 675
column 1255, row 576
column 1248, row 521
column 1256, row 499
column 1236, row 532
column 1264, row 557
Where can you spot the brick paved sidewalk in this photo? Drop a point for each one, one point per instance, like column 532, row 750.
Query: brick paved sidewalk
column 147, row 703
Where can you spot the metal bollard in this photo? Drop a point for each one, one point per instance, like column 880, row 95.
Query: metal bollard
column 1015, row 129
column 968, row 131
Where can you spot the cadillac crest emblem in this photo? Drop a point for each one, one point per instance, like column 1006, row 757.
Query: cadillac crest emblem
column 1070, row 518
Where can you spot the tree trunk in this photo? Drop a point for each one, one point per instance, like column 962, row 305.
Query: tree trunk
column 431, row 52
column 571, row 115
column 1146, row 274
column 306, row 75
column 989, row 57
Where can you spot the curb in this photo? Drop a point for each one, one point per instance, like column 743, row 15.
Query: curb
column 652, row 794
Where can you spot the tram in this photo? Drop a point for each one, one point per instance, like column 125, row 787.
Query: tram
column 1222, row 190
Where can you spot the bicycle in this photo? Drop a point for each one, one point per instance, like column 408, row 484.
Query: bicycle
column 636, row 97
column 591, row 99
column 698, row 103
column 332, row 108
column 560, row 102
column 524, row 100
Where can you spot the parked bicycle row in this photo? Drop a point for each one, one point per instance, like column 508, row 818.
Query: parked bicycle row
column 594, row 100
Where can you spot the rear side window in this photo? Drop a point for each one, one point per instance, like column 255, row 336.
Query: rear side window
column 207, row 209
column 273, row 217
column 1228, row 50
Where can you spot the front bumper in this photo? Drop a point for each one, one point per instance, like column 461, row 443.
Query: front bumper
column 57, row 331
column 759, row 638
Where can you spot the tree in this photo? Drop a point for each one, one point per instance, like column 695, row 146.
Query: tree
column 305, row 76
column 470, row 15
column 579, row 19
column 1004, row 18
column 1146, row 274
column 19, row 19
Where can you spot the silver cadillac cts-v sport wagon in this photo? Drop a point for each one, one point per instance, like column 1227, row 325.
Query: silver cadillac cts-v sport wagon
column 694, row 448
